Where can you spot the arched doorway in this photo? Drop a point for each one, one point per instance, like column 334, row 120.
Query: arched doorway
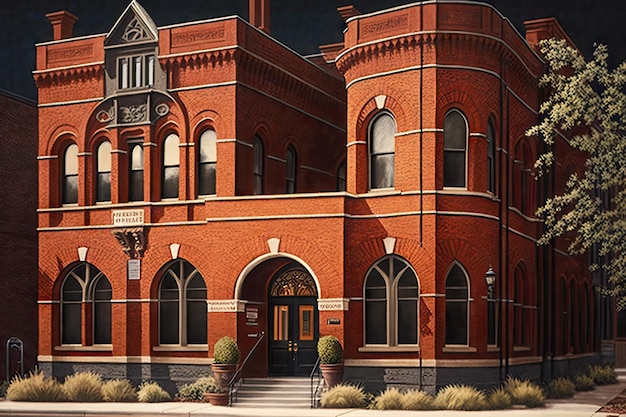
column 292, row 322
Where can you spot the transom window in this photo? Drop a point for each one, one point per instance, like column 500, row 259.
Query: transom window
column 382, row 147
column 103, row 176
column 293, row 283
column 69, row 192
column 457, row 307
column 136, row 71
column 182, row 306
column 171, row 167
column 454, row 149
column 207, row 162
column 391, row 303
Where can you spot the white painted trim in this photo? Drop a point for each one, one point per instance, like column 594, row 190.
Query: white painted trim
column 319, row 171
column 202, row 86
column 225, row 306
column 70, row 102
column 356, row 142
column 333, row 304
column 71, row 67
column 275, row 158
column 41, row 158
column 126, row 359
column 416, row 131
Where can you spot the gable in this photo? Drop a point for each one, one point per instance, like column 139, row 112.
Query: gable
column 134, row 26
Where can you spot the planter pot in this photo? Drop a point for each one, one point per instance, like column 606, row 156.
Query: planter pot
column 216, row 398
column 332, row 373
column 223, row 374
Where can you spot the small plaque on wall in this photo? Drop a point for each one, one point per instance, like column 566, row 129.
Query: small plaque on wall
column 333, row 320
column 134, row 269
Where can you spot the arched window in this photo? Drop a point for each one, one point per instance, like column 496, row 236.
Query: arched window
column 292, row 164
column 70, row 175
column 207, row 162
column 171, row 166
column 135, row 186
column 85, row 284
column 491, row 158
column 182, row 306
column 259, row 157
column 457, row 307
column 391, row 303
column 454, row 149
column 103, row 176
column 382, row 151
column 341, row 177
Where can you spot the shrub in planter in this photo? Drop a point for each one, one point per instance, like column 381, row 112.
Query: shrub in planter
column 584, row 383
column 417, row 400
column 390, row 399
column 226, row 355
column 330, row 353
column 499, row 399
column 603, row 375
column 35, row 387
column 460, row 397
column 118, row 391
column 151, row 392
column 344, row 396
column 83, row 387
column 196, row 390
column 215, row 396
column 525, row 393
column 561, row 388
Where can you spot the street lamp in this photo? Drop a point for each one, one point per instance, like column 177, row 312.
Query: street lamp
column 490, row 279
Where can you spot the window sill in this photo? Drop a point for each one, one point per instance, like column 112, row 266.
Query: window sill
column 80, row 348
column 389, row 349
column 521, row 349
column 178, row 348
column 493, row 349
column 459, row 349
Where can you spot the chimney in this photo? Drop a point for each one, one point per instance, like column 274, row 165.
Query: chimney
column 260, row 14
column 347, row 12
column 62, row 24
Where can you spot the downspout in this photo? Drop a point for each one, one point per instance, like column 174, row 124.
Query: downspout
column 500, row 224
column 421, row 177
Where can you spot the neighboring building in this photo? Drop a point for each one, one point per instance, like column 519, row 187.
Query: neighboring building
column 363, row 192
column 18, row 233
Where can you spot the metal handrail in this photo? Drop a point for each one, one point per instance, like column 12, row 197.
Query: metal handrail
column 236, row 377
column 315, row 390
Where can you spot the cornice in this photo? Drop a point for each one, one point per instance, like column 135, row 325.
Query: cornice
column 68, row 75
column 199, row 59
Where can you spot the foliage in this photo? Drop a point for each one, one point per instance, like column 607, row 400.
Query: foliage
column 390, row 399
column 460, row 397
column 83, row 387
column 584, row 383
column 524, row 392
column 344, row 396
column 561, row 388
column 417, row 400
column 35, row 387
column 151, row 392
column 499, row 399
column 196, row 390
column 603, row 375
column 329, row 349
column 587, row 100
column 118, row 390
column 3, row 388
column 226, row 351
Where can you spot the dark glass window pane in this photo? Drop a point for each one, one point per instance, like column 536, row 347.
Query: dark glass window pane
column 456, row 323
column 491, row 139
column 258, row 166
column 168, row 320
column 407, row 322
column 453, row 169
column 70, row 189
column 102, row 312
column 70, row 175
column 72, row 291
column 103, row 187
column 207, row 179
column 454, row 147
column 136, row 186
column 456, row 278
column 208, row 159
column 407, row 286
column 382, row 171
column 491, row 325
column 72, row 318
column 376, row 322
column 454, row 131
column 170, row 182
column 341, row 177
column 196, row 322
column 382, row 148
column 169, row 288
column 171, row 161
column 291, row 171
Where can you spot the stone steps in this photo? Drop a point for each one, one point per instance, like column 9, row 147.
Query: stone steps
column 274, row 392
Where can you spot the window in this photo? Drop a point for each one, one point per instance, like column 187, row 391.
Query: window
column 341, row 177
column 454, row 146
column 70, row 175
column 135, row 186
column 136, row 71
column 103, row 168
column 391, row 303
column 518, row 308
column 182, row 319
column 492, row 320
column 85, row 284
column 491, row 158
column 291, row 170
column 171, row 161
column 382, row 147
column 207, row 161
column 457, row 307
column 258, row 166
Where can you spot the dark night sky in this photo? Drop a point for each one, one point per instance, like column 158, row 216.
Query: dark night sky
column 300, row 24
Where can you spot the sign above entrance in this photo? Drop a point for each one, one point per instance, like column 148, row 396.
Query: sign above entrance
column 333, row 304
column 126, row 218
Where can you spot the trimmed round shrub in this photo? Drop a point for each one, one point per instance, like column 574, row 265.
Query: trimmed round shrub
column 390, row 399
column 584, row 383
column 417, row 400
column 196, row 390
column 460, row 397
column 226, row 351
column 118, row 391
column 329, row 349
column 499, row 399
column 525, row 393
column 151, row 392
column 344, row 396
column 561, row 388
column 35, row 387
column 603, row 375
column 83, row 387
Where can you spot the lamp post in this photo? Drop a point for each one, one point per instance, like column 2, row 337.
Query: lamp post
column 490, row 279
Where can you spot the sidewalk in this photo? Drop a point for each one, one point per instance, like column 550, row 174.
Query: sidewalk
column 584, row 404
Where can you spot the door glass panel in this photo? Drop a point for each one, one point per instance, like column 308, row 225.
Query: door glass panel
column 281, row 322
column 306, row 322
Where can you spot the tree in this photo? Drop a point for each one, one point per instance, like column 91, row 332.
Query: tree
column 587, row 101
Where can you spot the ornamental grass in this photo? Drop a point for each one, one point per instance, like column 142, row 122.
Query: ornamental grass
column 561, row 388
column 118, row 391
column 524, row 392
column 460, row 397
column 390, row 399
column 417, row 400
column 344, row 396
column 83, row 387
column 152, row 392
column 603, row 375
column 196, row 390
column 35, row 387
column 499, row 399
column 584, row 382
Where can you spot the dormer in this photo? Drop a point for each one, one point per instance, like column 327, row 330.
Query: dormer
column 131, row 50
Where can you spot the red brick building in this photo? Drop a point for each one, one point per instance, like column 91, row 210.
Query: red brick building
column 18, row 233
column 202, row 179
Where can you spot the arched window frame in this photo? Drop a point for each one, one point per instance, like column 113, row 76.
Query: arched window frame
column 135, row 170
column 380, row 150
column 207, row 162
column 171, row 166
column 258, row 186
column 183, row 273
column 491, row 157
column 392, row 300
column 103, row 172
column 454, row 154
column 452, row 302
column 69, row 188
